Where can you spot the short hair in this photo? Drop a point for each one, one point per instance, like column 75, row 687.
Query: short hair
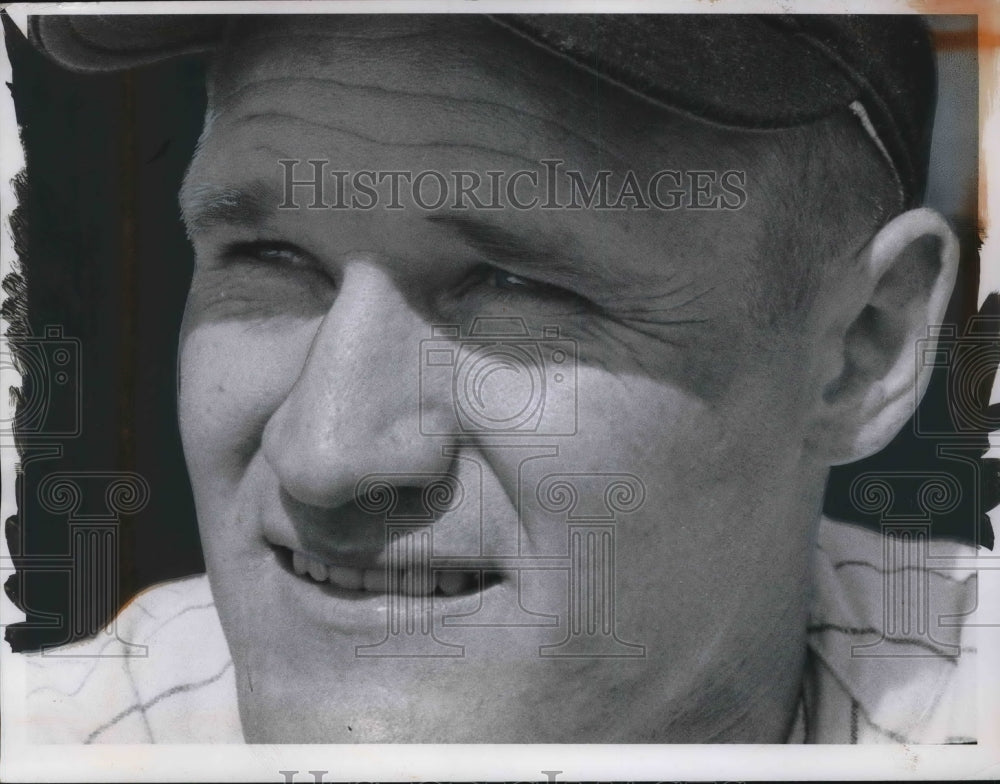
column 831, row 191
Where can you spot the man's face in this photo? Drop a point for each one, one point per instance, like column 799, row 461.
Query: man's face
column 310, row 369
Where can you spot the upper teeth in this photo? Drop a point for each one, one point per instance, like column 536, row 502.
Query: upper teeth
column 376, row 580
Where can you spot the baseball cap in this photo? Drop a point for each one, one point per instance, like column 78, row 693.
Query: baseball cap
column 742, row 71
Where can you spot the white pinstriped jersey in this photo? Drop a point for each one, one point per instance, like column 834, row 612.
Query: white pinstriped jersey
column 883, row 666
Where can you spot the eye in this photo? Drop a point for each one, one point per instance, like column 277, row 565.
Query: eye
column 492, row 286
column 509, row 284
column 271, row 253
column 501, row 279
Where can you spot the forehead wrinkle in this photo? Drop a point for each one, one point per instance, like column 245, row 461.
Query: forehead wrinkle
column 500, row 108
column 530, row 76
column 489, row 30
column 278, row 35
column 253, row 47
column 423, row 146
column 538, row 126
column 475, row 54
column 374, row 67
column 539, row 85
column 363, row 26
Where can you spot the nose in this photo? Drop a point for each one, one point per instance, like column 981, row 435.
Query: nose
column 354, row 409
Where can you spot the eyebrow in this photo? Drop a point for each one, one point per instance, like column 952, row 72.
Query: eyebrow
column 206, row 206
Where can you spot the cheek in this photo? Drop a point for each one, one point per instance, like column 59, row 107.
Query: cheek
column 700, row 462
column 233, row 376
column 633, row 421
column 713, row 475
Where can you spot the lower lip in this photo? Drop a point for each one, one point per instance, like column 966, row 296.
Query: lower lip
column 360, row 612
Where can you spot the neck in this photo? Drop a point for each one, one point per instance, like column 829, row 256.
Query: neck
column 755, row 699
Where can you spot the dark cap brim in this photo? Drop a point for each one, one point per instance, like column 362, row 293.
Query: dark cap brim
column 92, row 44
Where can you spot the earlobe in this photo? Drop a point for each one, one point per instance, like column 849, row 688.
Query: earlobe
column 907, row 273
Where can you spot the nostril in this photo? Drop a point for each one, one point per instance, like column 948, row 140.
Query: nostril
column 411, row 496
column 388, row 501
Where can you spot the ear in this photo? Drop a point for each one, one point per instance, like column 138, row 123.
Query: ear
column 904, row 279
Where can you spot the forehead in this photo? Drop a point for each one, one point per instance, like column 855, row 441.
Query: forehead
column 408, row 73
column 395, row 67
column 451, row 93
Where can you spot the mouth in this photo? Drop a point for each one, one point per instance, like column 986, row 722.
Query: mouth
column 383, row 580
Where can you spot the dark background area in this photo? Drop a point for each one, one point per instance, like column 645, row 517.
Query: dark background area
column 103, row 256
